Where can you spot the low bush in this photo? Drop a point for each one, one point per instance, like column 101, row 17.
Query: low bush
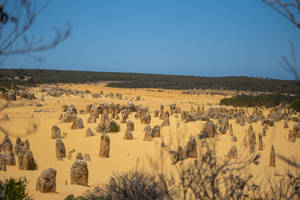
column 295, row 105
column 72, row 197
column 267, row 100
column 134, row 185
column 14, row 189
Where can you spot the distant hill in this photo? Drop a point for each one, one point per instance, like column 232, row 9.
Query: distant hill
column 134, row 80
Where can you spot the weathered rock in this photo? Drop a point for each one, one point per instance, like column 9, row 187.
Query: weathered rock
column 55, row 132
column 292, row 136
column 26, row 161
column 148, row 133
column 11, row 96
column 5, row 118
column 104, row 117
column 77, row 124
column 79, row 173
column 178, row 155
column 230, row 130
column 272, row 157
column 264, row 132
column 72, row 109
column 190, row 149
column 92, row 119
column 174, row 157
column 26, row 144
column 161, row 109
column 60, row 149
column 232, row 154
column 10, row 158
column 260, row 142
column 123, row 119
column 19, row 147
column 130, row 126
column 233, row 138
column 6, row 144
column 89, row 132
column 87, row 157
column 166, row 122
column 2, row 163
column 104, row 146
column 68, row 117
column 155, row 113
column 79, row 156
column 222, row 129
column 209, row 130
column 269, row 122
column 146, row 119
column 18, row 141
column 155, row 132
column 188, row 117
column 296, row 130
column 46, row 182
column 128, row 135
column 285, row 125
column 108, row 126
column 250, row 139
column 88, row 108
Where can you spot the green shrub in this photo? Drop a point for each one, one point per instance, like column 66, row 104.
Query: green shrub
column 72, row 197
column 295, row 105
column 14, row 189
column 267, row 100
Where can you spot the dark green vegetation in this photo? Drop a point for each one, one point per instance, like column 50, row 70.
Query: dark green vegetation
column 267, row 100
column 72, row 197
column 14, row 189
column 133, row 80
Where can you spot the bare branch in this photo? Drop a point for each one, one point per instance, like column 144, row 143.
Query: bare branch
column 13, row 34
column 288, row 9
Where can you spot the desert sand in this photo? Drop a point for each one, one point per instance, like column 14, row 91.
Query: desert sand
column 124, row 154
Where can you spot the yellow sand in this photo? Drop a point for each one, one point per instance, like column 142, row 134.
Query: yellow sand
column 123, row 153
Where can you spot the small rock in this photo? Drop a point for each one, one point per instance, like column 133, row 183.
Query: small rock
column 79, row 156
column 87, row 157
column 89, row 132
column 128, row 135
column 55, row 132
column 104, row 146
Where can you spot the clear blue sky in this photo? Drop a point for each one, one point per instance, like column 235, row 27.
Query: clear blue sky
column 184, row 37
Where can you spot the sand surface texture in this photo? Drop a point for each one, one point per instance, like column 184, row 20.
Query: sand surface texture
column 124, row 154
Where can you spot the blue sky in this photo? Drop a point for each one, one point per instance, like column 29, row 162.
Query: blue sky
column 191, row 37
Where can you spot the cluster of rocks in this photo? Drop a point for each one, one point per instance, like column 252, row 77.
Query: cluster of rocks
column 294, row 133
column 58, row 91
column 129, row 128
column 11, row 95
column 151, row 132
column 21, row 150
column 189, row 151
column 26, row 94
column 69, row 114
